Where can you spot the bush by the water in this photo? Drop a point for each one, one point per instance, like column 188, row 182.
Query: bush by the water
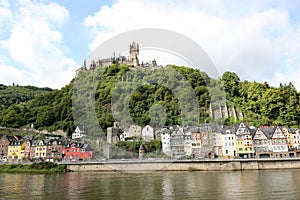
column 34, row 167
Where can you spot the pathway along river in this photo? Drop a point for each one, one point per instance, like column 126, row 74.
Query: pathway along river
column 262, row 184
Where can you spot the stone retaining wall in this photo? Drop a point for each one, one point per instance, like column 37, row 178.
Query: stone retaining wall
column 186, row 165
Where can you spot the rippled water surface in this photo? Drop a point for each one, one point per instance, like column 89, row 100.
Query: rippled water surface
column 272, row 184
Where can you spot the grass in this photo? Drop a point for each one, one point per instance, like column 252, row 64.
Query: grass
column 191, row 169
column 42, row 167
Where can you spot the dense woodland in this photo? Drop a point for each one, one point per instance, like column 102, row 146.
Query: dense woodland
column 146, row 97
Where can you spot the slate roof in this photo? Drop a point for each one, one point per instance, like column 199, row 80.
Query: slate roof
column 252, row 131
column 165, row 130
column 13, row 138
column 268, row 131
column 226, row 128
column 193, row 129
column 293, row 130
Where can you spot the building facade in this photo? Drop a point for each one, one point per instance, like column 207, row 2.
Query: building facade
column 244, row 143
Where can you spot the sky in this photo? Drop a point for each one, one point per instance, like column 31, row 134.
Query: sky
column 43, row 42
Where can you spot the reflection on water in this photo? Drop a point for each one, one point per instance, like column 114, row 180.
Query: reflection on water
column 272, row 184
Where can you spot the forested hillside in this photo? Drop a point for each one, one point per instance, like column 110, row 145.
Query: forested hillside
column 51, row 109
column 16, row 94
column 263, row 104
column 152, row 98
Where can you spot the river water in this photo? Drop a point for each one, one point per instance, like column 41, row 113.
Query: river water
column 263, row 184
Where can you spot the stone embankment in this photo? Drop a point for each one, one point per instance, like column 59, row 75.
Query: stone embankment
column 185, row 165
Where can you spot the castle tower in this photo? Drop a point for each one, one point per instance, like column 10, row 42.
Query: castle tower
column 134, row 52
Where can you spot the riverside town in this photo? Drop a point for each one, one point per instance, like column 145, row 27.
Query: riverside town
column 196, row 142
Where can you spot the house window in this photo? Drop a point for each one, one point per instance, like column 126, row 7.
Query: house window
column 226, row 152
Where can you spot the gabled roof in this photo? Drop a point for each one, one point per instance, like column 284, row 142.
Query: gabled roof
column 81, row 127
column 293, row 130
column 12, row 138
column 268, row 131
column 252, row 131
column 37, row 142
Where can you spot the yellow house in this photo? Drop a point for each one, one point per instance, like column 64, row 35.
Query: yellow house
column 16, row 151
column 292, row 137
column 244, row 142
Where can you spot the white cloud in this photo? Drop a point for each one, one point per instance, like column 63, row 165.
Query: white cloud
column 37, row 44
column 250, row 40
column 5, row 13
column 10, row 74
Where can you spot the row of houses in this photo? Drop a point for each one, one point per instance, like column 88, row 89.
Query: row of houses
column 243, row 141
column 207, row 140
column 16, row 148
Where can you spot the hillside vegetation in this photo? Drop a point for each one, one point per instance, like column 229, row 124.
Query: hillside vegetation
column 150, row 97
column 16, row 94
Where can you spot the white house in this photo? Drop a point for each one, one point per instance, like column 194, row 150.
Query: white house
column 148, row 133
column 278, row 141
column 165, row 139
column 228, row 143
column 79, row 132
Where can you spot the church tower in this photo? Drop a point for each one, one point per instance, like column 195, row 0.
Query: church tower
column 134, row 52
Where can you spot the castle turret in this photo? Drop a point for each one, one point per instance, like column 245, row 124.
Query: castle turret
column 134, row 52
column 92, row 66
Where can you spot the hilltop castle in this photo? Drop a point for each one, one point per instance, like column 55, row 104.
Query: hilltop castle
column 132, row 60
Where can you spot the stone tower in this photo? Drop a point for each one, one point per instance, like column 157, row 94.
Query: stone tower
column 141, row 152
column 134, row 52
